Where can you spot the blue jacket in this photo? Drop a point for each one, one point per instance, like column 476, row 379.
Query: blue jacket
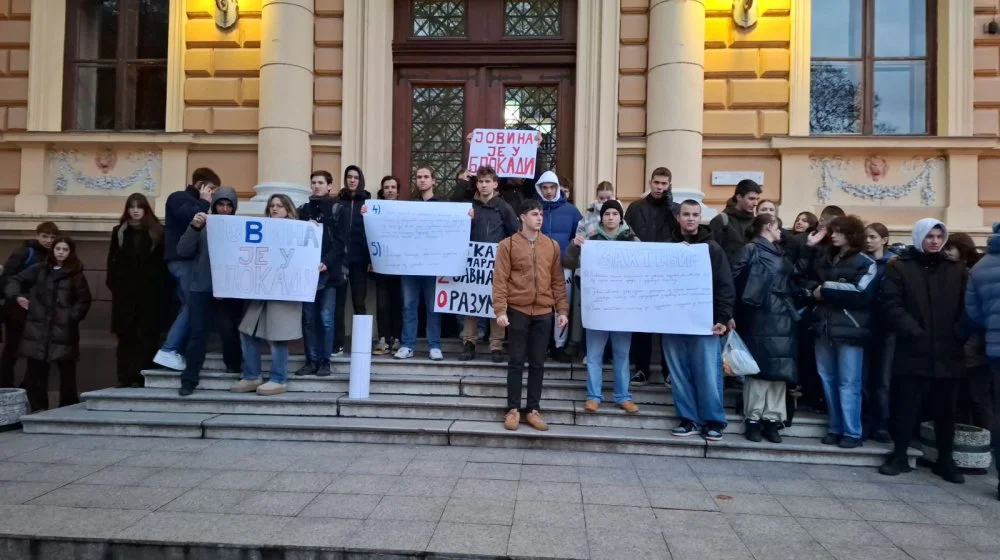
column 181, row 208
column 982, row 294
column 560, row 219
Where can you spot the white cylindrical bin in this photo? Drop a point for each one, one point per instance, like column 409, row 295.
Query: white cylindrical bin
column 361, row 357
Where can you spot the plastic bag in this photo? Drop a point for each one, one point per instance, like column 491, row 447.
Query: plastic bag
column 736, row 357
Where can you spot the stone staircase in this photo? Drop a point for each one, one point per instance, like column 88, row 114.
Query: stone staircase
column 418, row 401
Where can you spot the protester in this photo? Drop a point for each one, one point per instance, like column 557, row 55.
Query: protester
column 878, row 354
column 388, row 294
column 592, row 217
column 136, row 276
column 493, row 221
column 512, row 191
column 204, row 310
column 766, row 207
column 353, row 197
column 805, row 222
column 653, row 218
column 465, row 188
column 33, row 251
column 587, row 228
column 982, row 305
column 923, row 299
column 527, row 285
column 560, row 222
column 841, row 280
column 695, row 360
column 55, row 294
column 974, row 398
column 730, row 227
column 275, row 322
column 318, row 316
column 611, row 228
column 766, row 320
column 181, row 209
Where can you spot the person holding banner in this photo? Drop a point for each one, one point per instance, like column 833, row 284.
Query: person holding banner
column 388, row 294
column 695, row 361
column 611, row 228
column 493, row 221
column 204, row 310
column 560, row 221
column 527, row 285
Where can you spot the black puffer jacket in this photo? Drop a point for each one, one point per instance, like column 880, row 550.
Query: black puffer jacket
column 58, row 300
column 357, row 240
column 731, row 228
column 765, row 316
column 844, row 315
column 493, row 221
column 137, row 280
column 32, row 252
column 923, row 297
column 654, row 219
column 723, row 291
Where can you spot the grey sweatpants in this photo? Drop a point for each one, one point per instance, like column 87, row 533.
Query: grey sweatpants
column 764, row 400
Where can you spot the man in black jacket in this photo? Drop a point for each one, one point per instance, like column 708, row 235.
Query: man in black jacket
column 653, row 218
column 695, row 360
column 730, row 229
column 353, row 197
column 493, row 221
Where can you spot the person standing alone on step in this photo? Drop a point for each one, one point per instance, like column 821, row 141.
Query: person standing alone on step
column 353, row 197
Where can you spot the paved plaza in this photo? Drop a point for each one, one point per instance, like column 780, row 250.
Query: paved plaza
column 481, row 502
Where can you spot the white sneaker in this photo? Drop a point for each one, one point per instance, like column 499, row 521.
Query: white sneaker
column 171, row 360
column 271, row 388
column 436, row 354
column 403, row 353
column 246, row 386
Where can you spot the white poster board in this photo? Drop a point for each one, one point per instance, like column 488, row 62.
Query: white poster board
column 408, row 238
column 511, row 153
column 646, row 287
column 471, row 293
column 264, row 258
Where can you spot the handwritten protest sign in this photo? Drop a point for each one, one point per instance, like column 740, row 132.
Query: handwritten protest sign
column 646, row 287
column 418, row 238
column 471, row 293
column 264, row 258
column 511, row 153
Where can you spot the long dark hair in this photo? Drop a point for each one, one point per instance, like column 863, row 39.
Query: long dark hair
column 965, row 246
column 149, row 221
column 882, row 231
column 72, row 262
column 810, row 218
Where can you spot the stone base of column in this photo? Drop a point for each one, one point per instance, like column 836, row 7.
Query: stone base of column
column 256, row 205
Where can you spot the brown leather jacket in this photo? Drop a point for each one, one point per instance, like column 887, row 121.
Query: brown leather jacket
column 528, row 276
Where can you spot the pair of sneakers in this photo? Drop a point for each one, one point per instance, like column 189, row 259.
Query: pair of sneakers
column 405, row 353
column 258, row 386
column 512, row 420
column 709, row 432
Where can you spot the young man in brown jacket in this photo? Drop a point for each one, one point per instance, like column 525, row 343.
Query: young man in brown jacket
column 527, row 284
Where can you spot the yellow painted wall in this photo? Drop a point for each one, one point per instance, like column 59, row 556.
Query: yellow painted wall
column 328, row 64
column 986, row 98
column 15, row 29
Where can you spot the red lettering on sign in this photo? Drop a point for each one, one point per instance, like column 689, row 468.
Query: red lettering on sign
column 442, row 299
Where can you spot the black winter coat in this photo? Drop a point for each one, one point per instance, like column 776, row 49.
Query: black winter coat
column 137, row 279
column 731, row 229
column 335, row 218
column 493, row 221
column 357, row 240
column 58, row 300
column 723, row 291
column 32, row 252
column 849, row 286
column 765, row 316
column 923, row 297
column 654, row 219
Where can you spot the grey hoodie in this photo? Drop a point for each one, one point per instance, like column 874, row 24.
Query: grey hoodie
column 194, row 245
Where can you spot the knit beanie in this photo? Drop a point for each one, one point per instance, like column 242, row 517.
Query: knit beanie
column 612, row 204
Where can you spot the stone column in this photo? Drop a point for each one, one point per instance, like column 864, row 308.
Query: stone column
column 675, row 91
column 284, row 152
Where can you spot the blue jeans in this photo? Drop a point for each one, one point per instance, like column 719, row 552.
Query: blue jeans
column 620, row 343
column 181, row 271
column 696, row 375
column 416, row 288
column 840, row 367
column 251, row 359
column 318, row 318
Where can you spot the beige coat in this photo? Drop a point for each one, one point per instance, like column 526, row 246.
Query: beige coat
column 273, row 321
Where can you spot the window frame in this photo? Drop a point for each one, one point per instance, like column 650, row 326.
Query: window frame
column 126, row 65
column 868, row 60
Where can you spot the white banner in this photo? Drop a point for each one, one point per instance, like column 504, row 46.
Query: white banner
column 471, row 293
column 511, row 153
column 646, row 287
column 264, row 258
column 409, row 238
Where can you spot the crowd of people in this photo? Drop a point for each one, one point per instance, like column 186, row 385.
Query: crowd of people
column 878, row 336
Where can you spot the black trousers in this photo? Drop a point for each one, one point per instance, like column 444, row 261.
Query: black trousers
column 641, row 351
column 134, row 353
column 875, row 393
column 389, row 307
column 908, row 394
column 36, row 383
column 975, row 398
column 809, row 381
column 527, row 339
column 995, row 425
column 13, row 331
column 205, row 313
column 357, row 278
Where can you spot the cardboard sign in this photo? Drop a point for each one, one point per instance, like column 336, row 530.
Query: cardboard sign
column 408, row 238
column 511, row 153
column 471, row 293
column 264, row 258
column 646, row 287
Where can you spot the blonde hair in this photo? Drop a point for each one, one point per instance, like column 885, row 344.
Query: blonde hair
column 286, row 202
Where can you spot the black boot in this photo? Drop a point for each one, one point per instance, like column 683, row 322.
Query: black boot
column 946, row 469
column 753, row 430
column 895, row 465
column 469, row 353
column 771, row 431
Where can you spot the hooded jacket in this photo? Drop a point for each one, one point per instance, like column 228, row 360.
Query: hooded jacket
column 624, row 233
column 982, row 296
column 194, row 244
column 723, row 290
column 181, row 208
column 334, row 217
column 357, row 240
column 654, row 219
column 731, row 228
column 59, row 300
column 765, row 315
column 492, row 221
column 560, row 218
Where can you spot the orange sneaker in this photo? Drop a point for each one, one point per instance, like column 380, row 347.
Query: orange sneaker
column 591, row 405
column 512, row 419
column 535, row 421
column 629, row 406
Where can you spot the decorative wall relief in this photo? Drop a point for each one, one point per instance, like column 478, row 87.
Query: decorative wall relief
column 77, row 171
column 878, row 179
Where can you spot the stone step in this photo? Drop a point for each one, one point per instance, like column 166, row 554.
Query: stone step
column 338, row 429
column 565, row 389
column 77, row 419
column 212, row 402
column 652, row 417
column 447, row 408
